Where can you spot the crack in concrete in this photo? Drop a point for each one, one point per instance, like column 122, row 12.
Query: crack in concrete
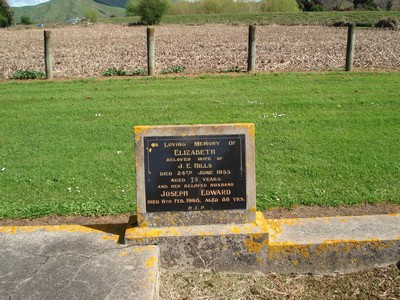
column 31, row 275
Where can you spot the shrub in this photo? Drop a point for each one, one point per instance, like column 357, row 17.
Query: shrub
column 138, row 72
column 150, row 11
column 3, row 21
column 365, row 4
column 6, row 13
column 92, row 15
column 122, row 72
column 233, row 69
column 114, row 72
column 278, row 6
column 173, row 69
column 28, row 74
column 387, row 23
column 25, row 20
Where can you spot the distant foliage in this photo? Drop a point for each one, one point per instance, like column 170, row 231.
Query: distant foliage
column 182, row 7
column 365, row 5
column 25, row 20
column 279, row 6
column 150, row 11
column 92, row 15
column 3, row 21
column 310, row 5
column 28, row 74
column 387, row 23
column 5, row 14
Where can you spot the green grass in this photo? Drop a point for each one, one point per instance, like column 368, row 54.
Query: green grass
column 362, row 18
column 321, row 138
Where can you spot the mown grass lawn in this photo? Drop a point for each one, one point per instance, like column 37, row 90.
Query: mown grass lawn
column 66, row 147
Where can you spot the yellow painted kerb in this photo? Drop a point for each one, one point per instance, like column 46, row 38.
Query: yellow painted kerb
column 59, row 228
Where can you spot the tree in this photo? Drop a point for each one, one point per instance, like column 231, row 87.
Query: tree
column 278, row 5
column 365, row 4
column 386, row 4
column 6, row 13
column 150, row 11
column 310, row 5
column 92, row 15
column 25, row 20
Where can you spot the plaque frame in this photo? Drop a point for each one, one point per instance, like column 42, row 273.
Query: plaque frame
column 195, row 217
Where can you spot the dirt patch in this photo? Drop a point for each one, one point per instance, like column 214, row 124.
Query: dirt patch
column 378, row 283
column 276, row 213
column 90, row 50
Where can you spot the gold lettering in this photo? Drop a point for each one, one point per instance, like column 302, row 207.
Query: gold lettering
column 215, row 192
column 200, row 152
column 174, row 194
column 206, row 143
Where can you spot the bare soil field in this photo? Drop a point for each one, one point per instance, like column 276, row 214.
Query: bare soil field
column 81, row 51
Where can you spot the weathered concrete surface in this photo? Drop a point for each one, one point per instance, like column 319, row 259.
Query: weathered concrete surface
column 318, row 245
column 74, row 262
column 86, row 262
column 219, row 248
column 337, row 244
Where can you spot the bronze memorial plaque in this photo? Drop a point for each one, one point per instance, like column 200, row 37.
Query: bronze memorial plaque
column 195, row 174
column 189, row 173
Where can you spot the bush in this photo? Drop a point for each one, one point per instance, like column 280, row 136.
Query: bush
column 28, row 74
column 122, row 72
column 92, row 15
column 365, row 5
column 5, row 14
column 232, row 69
column 138, row 72
column 25, row 20
column 150, row 11
column 3, row 21
column 279, row 6
column 114, row 72
column 173, row 69
column 387, row 23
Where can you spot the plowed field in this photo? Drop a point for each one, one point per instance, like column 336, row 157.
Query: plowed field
column 90, row 50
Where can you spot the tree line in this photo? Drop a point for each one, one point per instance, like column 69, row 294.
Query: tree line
column 151, row 11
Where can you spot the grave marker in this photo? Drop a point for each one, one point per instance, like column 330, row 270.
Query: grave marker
column 195, row 175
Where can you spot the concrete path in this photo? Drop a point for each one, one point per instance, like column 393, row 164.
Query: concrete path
column 74, row 262
column 91, row 262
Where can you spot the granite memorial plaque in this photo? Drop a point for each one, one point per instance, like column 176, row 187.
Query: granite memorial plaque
column 194, row 175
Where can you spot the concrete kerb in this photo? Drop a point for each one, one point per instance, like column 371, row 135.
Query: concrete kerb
column 87, row 261
column 316, row 245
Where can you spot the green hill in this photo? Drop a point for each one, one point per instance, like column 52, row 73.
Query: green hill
column 61, row 10
column 116, row 3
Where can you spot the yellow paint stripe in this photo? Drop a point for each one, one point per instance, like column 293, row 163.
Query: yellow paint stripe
column 104, row 230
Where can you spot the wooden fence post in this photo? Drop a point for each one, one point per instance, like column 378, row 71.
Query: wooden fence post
column 251, row 58
column 150, row 52
column 350, row 48
column 48, row 63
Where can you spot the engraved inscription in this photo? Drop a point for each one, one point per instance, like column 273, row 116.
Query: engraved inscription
column 189, row 173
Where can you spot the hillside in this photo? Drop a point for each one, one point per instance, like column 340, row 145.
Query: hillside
column 60, row 10
column 116, row 3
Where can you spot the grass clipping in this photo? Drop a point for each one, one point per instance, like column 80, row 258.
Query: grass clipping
column 378, row 283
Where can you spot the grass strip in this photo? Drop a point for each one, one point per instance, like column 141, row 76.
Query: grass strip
column 66, row 147
column 327, row 18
